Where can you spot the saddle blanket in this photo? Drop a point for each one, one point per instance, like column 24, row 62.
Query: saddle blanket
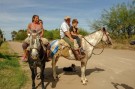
column 54, row 47
column 60, row 45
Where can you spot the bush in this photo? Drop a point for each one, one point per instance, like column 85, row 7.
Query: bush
column 52, row 34
column 83, row 32
column 21, row 36
column 1, row 41
column 49, row 34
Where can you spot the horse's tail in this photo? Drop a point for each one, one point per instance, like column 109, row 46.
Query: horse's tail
column 54, row 47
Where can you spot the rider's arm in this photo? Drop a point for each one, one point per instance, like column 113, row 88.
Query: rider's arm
column 69, row 36
column 42, row 32
column 72, row 33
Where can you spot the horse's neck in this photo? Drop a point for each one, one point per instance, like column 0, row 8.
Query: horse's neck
column 94, row 38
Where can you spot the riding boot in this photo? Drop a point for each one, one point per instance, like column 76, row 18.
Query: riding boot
column 48, row 53
column 25, row 56
column 77, row 54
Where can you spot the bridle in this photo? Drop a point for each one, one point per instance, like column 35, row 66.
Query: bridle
column 38, row 41
column 104, row 33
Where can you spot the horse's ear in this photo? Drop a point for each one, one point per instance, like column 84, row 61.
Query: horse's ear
column 104, row 30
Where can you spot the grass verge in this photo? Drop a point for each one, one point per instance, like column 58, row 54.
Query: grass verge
column 11, row 75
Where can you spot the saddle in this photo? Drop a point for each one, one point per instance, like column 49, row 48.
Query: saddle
column 65, row 49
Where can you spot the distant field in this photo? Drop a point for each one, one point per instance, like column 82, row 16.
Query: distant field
column 11, row 75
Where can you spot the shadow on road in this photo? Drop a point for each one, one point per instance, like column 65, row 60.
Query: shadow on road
column 122, row 85
column 88, row 71
column 49, row 78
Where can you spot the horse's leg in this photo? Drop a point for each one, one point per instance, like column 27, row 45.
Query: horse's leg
column 42, row 74
column 33, row 75
column 54, row 61
column 83, row 69
column 85, row 75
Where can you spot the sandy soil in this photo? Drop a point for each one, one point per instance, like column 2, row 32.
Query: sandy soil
column 113, row 69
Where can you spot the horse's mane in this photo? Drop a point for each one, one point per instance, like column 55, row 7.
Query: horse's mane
column 94, row 31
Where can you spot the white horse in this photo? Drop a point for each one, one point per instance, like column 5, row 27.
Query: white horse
column 88, row 44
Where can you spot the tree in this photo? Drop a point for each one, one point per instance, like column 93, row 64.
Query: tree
column 13, row 34
column 120, row 20
column 1, row 37
column 21, row 35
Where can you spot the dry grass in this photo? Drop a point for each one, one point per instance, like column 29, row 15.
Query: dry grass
column 125, row 45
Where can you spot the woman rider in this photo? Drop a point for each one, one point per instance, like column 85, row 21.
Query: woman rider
column 35, row 25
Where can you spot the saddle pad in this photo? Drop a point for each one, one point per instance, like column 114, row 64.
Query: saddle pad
column 54, row 47
column 59, row 44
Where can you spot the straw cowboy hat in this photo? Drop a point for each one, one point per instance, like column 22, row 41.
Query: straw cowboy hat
column 67, row 17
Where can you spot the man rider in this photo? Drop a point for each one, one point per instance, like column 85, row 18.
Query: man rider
column 65, row 35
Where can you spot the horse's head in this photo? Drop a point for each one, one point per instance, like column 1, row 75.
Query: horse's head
column 35, row 44
column 106, row 38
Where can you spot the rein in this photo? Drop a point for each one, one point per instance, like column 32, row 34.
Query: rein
column 94, row 46
column 100, row 52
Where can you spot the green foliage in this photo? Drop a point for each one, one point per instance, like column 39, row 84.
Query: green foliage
column 55, row 34
column 1, row 34
column 1, row 41
column 20, row 35
column 13, row 33
column 83, row 32
column 1, row 37
column 120, row 21
column 49, row 34
column 52, row 34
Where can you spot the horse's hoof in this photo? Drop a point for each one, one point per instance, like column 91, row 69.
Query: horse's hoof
column 84, row 83
column 56, row 78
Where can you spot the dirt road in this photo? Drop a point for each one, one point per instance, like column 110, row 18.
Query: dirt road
column 113, row 69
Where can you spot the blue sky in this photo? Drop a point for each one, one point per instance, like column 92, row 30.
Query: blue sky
column 16, row 14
